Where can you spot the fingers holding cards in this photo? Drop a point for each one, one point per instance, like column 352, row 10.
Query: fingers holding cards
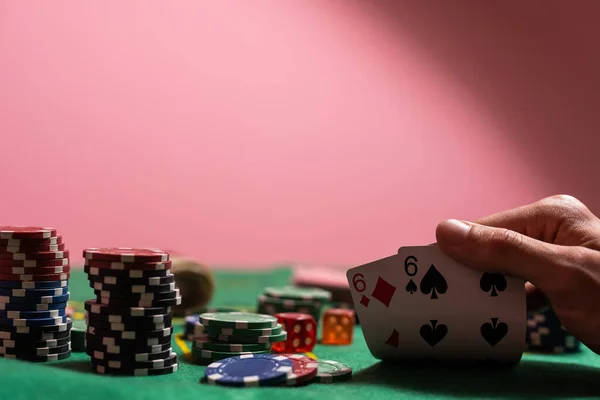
column 422, row 304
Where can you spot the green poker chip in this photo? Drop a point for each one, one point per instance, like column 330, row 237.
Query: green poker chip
column 237, row 320
column 207, row 344
column 249, row 339
column 298, row 293
column 221, row 355
column 288, row 303
column 213, row 331
column 332, row 371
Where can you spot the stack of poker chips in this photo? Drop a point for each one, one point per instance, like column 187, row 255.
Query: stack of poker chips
column 251, row 370
column 223, row 335
column 193, row 328
column 130, row 323
column 545, row 334
column 34, row 273
column 304, row 300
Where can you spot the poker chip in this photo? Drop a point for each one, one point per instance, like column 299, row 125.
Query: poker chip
column 33, row 307
column 8, row 330
column 32, row 314
column 34, row 265
column 35, row 358
column 13, row 343
column 92, row 306
column 48, row 252
column 129, row 323
column 124, row 364
column 34, row 271
column 34, row 284
column 211, row 331
column 102, row 356
column 546, row 334
column 132, row 274
column 33, row 293
column 204, row 357
column 35, row 351
column 300, row 293
column 26, row 232
column 332, row 371
column 125, row 255
column 33, row 321
column 237, row 320
column 193, row 328
column 32, row 277
column 137, row 372
column 134, row 289
column 250, row 370
column 31, row 241
column 204, row 343
column 304, row 370
column 126, row 266
column 250, row 339
column 63, row 298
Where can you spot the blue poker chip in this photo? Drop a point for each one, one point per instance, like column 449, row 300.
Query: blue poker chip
column 33, row 293
column 193, row 327
column 32, row 314
column 545, row 334
column 33, row 321
column 36, row 300
column 250, row 370
column 33, row 284
column 32, row 307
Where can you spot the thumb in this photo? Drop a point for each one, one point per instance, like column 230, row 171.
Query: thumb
column 501, row 250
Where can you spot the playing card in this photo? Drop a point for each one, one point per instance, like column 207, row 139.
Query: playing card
column 440, row 309
column 374, row 288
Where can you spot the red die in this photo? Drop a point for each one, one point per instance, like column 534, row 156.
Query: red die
column 301, row 333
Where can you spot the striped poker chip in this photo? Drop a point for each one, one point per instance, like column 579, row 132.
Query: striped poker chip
column 26, row 232
column 34, row 284
column 125, row 266
column 201, row 342
column 37, row 300
column 125, row 254
column 238, row 320
column 137, row 371
column 332, row 371
column 126, row 274
column 45, row 263
column 36, row 277
column 93, row 306
column 305, row 370
column 250, row 370
column 44, row 252
column 33, row 307
column 31, row 242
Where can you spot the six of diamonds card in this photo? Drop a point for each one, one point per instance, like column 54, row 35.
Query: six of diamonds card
column 420, row 304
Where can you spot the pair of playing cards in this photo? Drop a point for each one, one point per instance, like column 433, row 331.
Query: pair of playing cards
column 421, row 304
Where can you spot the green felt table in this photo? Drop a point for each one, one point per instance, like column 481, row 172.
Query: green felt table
column 537, row 376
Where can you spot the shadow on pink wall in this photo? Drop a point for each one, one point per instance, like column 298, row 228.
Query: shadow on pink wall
column 534, row 64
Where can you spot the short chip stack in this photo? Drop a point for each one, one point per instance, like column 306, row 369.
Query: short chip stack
column 303, row 300
column 230, row 334
column 34, row 273
column 546, row 334
column 130, row 323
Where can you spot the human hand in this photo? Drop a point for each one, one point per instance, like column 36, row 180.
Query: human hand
column 554, row 244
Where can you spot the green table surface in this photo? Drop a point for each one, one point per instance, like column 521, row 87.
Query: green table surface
column 537, row 376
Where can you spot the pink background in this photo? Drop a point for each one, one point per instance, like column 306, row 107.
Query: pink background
column 257, row 132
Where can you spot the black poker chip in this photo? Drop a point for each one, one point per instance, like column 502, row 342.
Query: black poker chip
column 128, row 289
column 36, row 330
column 118, row 281
column 118, row 302
column 104, row 337
column 123, row 348
column 137, row 371
column 92, row 306
column 144, row 326
column 129, row 364
column 34, row 358
column 127, row 274
column 129, row 358
column 135, row 297
column 28, row 341
column 24, row 350
column 132, row 321
column 132, row 335
column 35, row 336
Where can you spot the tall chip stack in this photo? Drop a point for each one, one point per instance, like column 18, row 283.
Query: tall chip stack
column 130, row 323
column 34, row 274
column 303, row 300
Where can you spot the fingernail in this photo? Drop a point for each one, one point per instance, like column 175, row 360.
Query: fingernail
column 453, row 231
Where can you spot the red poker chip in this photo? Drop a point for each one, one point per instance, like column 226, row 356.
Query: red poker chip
column 31, row 242
column 35, row 270
column 35, row 277
column 26, row 232
column 126, row 254
column 39, row 255
column 56, row 262
column 33, row 249
column 305, row 369
column 126, row 266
